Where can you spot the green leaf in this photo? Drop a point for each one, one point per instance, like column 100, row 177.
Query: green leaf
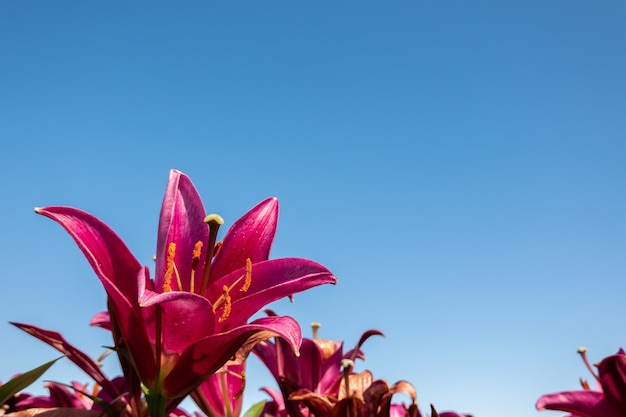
column 21, row 381
column 255, row 409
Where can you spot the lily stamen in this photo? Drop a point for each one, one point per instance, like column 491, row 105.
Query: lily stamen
column 248, row 276
column 227, row 303
column 195, row 261
column 584, row 384
column 241, row 376
column 583, row 353
column 225, row 297
column 169, row 267
column 217, row 246
column 178, row 281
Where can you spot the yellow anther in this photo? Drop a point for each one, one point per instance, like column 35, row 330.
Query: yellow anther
column 248, row 278
column 169, row 267
column 195, row 257
column 195, row 260
column 584, row 384
column 227, row 303
column 217, row 246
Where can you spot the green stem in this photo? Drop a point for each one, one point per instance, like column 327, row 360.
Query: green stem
column 156, row 404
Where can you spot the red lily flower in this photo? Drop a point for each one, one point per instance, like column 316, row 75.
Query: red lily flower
column 609, row 401
column 182, row 327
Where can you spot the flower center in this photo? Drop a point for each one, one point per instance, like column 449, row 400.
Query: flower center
column 213, row 221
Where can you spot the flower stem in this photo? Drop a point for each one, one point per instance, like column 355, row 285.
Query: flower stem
column 156, row 404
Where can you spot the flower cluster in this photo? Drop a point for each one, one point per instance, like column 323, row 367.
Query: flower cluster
column 187, row 331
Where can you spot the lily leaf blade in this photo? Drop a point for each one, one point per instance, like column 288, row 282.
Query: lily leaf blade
column 22, row 381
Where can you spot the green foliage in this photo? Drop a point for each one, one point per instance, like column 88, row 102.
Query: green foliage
column 22, row 381
column 255, row 409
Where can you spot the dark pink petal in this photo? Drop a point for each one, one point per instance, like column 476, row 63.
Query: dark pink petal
column 101, row 319
column 303, row 371
column 453, row 414
column 33, row 402
column 271, row 281
column 133, row 330
column 117, row 269
column 332, row 373
column 220, row 395
column 266, row 352
column 275, row 396
column 249, row 237
column 185, row 318
column 612, row 372
column 398, row 410
column 81, row 359
column 64, row 398
column 208, row 355
column 104, row 249
column 583, row 403
column 181, row 221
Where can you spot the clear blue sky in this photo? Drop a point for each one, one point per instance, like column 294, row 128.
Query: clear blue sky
column 459, row 165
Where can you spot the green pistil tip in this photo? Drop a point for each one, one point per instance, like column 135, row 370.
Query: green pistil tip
column 214, row 218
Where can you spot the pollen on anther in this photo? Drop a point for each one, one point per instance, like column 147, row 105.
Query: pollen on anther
column 169, row 267
column 195, row 257
column 217, row 246
column 227, row 303
column 248, row 278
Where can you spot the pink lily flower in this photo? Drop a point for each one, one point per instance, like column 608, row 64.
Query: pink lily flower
column 608, row 401
column 317, row 370
column 180, row 328
column 221, row 395
column 59, row 397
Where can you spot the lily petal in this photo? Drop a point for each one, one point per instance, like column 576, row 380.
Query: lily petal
column 271, row 281
column 583, row 403
column 105, row 251
column 208, row 355
column 185, row 318
column 249, row 237
column 181, row 214
column 612, row 372
column 220, row 395
column 116, row 268
column 80, row 358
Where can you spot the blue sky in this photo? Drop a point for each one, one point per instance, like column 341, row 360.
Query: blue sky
column 460, row 166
